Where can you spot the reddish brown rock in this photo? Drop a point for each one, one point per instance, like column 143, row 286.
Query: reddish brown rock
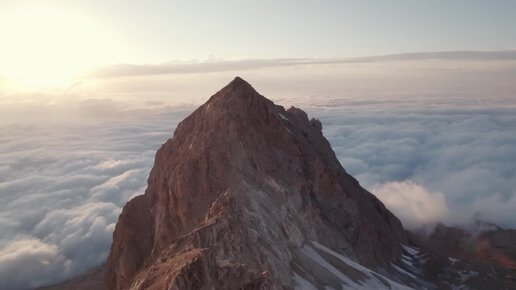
column 241, row 185
column 483, row 242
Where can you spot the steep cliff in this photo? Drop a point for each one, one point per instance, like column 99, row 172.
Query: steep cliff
column 238, row 198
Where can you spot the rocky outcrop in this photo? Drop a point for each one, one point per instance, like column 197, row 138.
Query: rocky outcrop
column 240, row 186
column 479, row 256
column 480, row 242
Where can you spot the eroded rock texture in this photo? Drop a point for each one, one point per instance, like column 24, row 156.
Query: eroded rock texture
column 240, row 186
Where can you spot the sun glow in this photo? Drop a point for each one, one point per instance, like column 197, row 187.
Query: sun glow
column 47, row 47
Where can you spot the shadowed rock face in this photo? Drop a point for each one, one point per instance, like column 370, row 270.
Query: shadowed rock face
column 240, row 186
column 481, row 257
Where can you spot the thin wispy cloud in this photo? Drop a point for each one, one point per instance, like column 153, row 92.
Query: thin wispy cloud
column 220, row 65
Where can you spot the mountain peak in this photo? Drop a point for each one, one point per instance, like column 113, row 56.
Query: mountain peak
column 238, row 100
column 238, row 90
column 239, row 82
column 234, row 197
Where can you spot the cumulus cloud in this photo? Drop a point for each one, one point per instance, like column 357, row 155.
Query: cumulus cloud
column 413, row 204
column 62, row 187
column 31, row 263
column 468, row 155
column 63, row 184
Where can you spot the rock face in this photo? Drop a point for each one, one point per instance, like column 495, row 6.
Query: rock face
column 484, row 242
column 480, row 257
column 239, row 189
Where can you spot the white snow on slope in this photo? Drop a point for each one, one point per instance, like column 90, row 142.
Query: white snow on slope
column 412, row 259
column 453, row 260
column 302, row 283
column 403, row 271
column 372, row 281
column 411, row 250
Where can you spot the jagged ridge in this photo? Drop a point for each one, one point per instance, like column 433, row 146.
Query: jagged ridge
column 242, row 185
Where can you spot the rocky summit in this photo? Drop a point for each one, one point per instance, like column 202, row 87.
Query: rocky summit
column 248, row 195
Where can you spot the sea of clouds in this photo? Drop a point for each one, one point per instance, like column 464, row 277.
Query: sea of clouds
column 62, row 187
column 431, row 153
column 431, row 166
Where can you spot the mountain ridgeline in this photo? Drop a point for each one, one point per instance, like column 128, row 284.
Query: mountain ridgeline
column 239, row 197
column 248, row 195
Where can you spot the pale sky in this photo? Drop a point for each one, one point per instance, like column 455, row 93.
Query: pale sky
column 47, row 41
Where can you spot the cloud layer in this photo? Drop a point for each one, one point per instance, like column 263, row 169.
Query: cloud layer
column 438, row 135
column 413, row 204
column 467, row 155
column 62, row 186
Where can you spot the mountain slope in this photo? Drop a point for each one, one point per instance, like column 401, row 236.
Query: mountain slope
column 91, row 280
column 237, row 194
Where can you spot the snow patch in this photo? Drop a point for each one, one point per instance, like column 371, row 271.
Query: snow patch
column 412, row 259
column 374, row 280
column 453, row 260
column 301, row 283
column 408, row 263
column 283, row 117
column 403, row 271
column 411, row 250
